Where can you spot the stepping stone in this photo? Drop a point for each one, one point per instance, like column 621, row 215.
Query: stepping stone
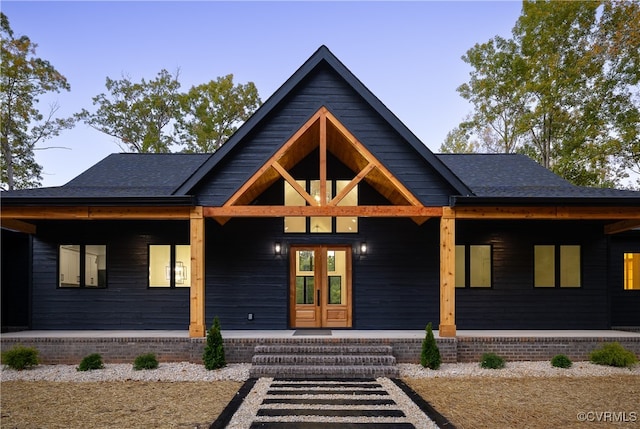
column 331, row 413
column 328, row 425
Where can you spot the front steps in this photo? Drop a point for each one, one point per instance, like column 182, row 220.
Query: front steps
column 323, row 361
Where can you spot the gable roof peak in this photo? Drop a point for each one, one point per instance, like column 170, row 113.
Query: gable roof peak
column 323, row 54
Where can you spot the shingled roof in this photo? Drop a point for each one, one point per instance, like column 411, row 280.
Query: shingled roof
column 123, row 175
column 516, row 178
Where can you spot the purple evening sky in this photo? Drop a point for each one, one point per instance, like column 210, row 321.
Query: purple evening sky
column 406, row 53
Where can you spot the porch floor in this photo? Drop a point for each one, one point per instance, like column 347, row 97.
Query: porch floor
column 335, row 333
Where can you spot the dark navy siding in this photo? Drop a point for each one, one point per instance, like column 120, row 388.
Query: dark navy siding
column 324, row 87
column 127, row 302
column 513, row 302
column 16, row 280
column 394, row 287
column 625, row 304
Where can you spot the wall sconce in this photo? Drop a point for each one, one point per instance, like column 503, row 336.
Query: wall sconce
column 277, row 248
column 363, row 248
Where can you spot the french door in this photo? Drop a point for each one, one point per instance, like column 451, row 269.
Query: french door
column 320, row 286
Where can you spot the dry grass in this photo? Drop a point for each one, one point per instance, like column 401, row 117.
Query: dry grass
column 533, row 403
column 130, row 404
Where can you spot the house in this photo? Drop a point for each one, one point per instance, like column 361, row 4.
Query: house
column 322, row 210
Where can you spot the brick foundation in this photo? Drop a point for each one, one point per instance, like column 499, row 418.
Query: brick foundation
column 462, row 349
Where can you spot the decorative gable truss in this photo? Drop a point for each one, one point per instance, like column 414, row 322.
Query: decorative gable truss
column 324, row 131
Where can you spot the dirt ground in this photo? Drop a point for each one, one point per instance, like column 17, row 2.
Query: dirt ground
column 129, row 404
column 476, row 403
column 534, row 403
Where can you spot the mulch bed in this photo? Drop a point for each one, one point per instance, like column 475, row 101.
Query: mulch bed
column 133, row 404
column 473, row 402
column 534, row 403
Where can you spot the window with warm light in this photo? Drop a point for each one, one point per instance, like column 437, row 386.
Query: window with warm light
column 320, row 224
column 632, row 271
column 82, row 266
column 557, row 266
column 169, row 265
column 473, row 266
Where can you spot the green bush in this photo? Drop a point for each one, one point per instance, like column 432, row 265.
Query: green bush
column 20, row 357
column 146, row 361
column 492, row 361
column 613, row 354
column 561, row 361
column 91, row 362
column 213, row 355
column 430, row 356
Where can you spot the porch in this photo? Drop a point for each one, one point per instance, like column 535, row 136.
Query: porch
column 115, row 346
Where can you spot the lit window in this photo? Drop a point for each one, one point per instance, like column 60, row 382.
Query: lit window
column 320, row 224
column 477, row 272
column 632, row 271
column 169, row 265
column 557, row 265
column 82, row 266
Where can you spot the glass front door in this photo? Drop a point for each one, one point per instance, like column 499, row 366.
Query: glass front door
column 320, row 289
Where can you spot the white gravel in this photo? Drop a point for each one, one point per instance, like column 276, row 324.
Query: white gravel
column 514, row 370
column 184, row 371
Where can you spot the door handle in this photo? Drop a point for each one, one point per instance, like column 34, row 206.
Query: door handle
column 318, row 300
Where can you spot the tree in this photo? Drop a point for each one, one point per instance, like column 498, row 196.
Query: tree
column 458, row 141
column 24, row 78
column 495, row 90
column 430, row 353
column 138, row 114
column 212, row 112
column 213, row 355
column 564, row 88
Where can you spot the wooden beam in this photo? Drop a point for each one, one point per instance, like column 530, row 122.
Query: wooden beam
column 152, row 213
column 18, row 225
column 352, row 184
column 52, row 213
column 447, row 326
column 622, row 226
column 548, row 213
column 299, row 189
column 323, row 158
column 94, row 213
column 359, row 211
column 197, row 326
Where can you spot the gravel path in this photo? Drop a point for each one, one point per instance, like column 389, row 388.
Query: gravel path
column 184, row 371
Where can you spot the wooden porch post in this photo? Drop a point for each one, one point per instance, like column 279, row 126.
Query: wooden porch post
column 197, row 326
column 447, row 326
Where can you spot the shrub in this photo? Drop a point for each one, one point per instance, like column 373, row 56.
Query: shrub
column 492, row 361
column 561, row 361
column 20, row 357
column 91, row 362
column 147, row 361
column 613, row 354
column 213, row 355
column 430, row 356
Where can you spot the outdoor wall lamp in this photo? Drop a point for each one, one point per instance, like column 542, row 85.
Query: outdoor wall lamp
column 363, row 248
column 277, row 248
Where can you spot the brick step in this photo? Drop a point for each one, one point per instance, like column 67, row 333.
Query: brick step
column 288, row 349
column 324, row 372
column 326, row 360
column 322, row 361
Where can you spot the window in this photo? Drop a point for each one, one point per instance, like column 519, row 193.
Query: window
column 169, row 265
column 320, row 224
column 632, row 271
column 557, row 265
column 82, row 266
column 473, row 266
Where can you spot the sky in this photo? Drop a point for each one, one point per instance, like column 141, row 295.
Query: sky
column 407, row 53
